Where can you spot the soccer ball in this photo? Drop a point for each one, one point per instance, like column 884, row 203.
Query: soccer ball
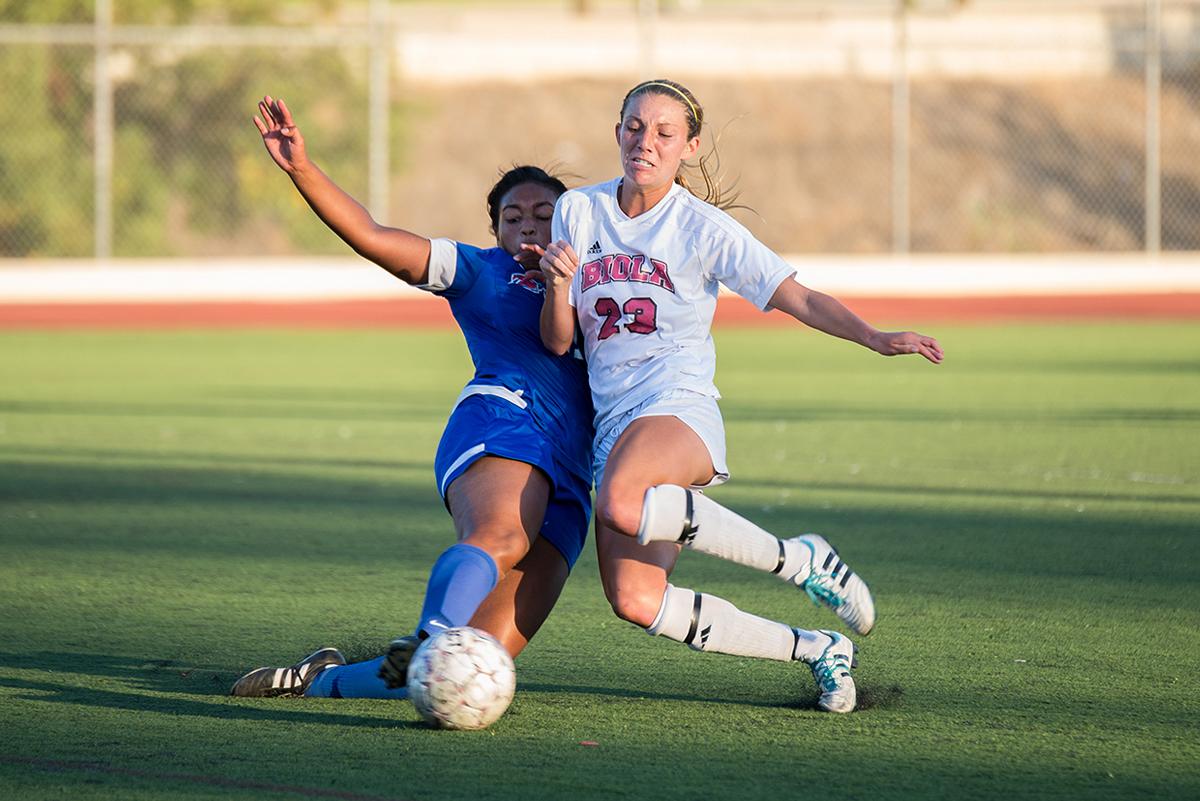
column 461, row 678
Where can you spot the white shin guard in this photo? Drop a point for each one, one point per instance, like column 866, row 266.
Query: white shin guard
column 676, row 514
column 708, row 623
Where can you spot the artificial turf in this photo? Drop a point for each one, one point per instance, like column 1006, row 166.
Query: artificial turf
column 176, row 508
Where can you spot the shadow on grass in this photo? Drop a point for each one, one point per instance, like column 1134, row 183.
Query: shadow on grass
column 174, row 456
column 132, row 777
column 153, row 675
column 870, row 697
column 742, row 412
column 982, row 492
column 175, row 410
column 264, row 709
column 163, row 484
column 170, row 676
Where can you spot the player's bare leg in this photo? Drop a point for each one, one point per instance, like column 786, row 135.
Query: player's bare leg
column 498, row 506
column 664, row 450
column 521, row 602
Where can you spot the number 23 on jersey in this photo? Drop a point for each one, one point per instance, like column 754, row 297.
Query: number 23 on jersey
column 643, row 314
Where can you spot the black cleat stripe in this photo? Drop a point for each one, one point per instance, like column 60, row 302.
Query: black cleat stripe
column 691, row 635
column 782, row 556
column 829, row 560
column 846, row 577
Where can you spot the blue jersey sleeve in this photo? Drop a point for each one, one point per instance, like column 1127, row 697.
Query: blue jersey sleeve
column 453, row 268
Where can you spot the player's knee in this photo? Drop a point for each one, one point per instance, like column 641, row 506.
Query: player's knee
column 620, row 511
column 637, row 605
column 507, row 545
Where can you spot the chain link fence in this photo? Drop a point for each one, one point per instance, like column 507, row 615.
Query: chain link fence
column 858, row 126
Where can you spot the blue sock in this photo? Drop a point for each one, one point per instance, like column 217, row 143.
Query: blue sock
column 359, row 680
column 461, row 578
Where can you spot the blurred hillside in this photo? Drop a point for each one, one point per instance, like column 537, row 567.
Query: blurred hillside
column 1025, row 125
column 1043, row 166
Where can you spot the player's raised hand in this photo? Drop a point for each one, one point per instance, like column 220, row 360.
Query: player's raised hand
column 528, row 257
column 559, row 263
column 280, row 135
column 899, row 343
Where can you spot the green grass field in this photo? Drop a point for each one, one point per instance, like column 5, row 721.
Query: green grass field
column 176, row 508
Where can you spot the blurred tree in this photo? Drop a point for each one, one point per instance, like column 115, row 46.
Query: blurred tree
column 189, row 173
column 192, row 166
column 47, row 11
column 45, row 159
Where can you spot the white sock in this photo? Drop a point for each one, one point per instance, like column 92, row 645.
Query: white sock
column 708, row 623
column 681, row 515
column 810, row 645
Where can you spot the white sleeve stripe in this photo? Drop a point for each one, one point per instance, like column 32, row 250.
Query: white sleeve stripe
column 443, row 261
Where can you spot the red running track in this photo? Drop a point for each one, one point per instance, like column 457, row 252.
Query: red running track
column 430, row 313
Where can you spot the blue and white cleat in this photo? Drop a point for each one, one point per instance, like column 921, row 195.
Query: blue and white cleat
column 832, row 673
column 830, row 581
column 269, row 682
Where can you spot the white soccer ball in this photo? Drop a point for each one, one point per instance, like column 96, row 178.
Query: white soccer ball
column 461, row 678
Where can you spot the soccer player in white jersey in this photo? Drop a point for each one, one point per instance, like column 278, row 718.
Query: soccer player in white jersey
column 651, row 255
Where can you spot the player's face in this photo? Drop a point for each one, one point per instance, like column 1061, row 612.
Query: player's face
column 653, row 138
column 525, row 213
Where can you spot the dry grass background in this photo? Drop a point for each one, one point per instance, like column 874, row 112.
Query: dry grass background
column 1040, row 166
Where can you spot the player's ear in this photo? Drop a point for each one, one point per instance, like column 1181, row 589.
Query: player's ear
column 693, row 146
column 617, row 132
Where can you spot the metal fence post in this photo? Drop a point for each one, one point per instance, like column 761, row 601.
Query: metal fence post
column 102, row 106
column 379, row 93
column 900, row 121
column 1153, row 237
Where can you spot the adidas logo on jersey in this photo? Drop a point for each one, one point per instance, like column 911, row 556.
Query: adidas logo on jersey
column 594, row 250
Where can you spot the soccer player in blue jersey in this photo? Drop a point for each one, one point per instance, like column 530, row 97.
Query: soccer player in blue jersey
column 514, row 463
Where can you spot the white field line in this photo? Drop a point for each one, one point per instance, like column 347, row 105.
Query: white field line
column 308, row 279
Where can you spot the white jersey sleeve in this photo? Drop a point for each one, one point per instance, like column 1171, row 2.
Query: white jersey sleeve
column 564, row 226
column 747, row 266
column 443, row 265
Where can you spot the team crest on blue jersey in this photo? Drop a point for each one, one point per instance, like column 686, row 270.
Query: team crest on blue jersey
column 525, row 282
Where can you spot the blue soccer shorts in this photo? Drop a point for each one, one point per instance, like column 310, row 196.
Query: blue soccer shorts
column 484, row 425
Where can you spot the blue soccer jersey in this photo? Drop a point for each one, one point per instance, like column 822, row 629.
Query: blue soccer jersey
column 499, row 312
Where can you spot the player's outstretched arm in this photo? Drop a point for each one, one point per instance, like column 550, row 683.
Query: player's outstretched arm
column 403, row 254
column 826, row 313
column 558, row 264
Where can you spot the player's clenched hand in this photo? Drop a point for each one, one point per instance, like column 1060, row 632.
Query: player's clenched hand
column 280, row 135
column 898, row 343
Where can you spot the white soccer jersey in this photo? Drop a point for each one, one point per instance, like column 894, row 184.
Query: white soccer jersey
column 646, row 289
